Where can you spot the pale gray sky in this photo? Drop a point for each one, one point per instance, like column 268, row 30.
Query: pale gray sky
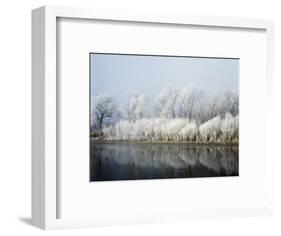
column 119, row 75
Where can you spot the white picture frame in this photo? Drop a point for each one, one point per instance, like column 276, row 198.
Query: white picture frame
column 45, row 185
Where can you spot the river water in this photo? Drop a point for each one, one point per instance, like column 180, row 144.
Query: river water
column 125, row 161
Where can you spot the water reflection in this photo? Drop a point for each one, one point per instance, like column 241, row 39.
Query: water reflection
column 120, row 161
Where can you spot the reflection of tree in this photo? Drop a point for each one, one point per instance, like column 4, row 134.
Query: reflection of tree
column 230, row 164
column 220, row 160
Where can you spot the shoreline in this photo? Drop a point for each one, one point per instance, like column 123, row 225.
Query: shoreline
column 164, row 142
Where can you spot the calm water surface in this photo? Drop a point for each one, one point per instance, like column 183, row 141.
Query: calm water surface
column 122, row 161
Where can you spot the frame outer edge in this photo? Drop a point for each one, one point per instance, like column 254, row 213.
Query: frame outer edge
column 270, row 103
column 50, row 124
column 38, row 118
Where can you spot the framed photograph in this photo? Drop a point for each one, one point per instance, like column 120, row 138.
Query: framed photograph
column 140, row 118
column 166, row 117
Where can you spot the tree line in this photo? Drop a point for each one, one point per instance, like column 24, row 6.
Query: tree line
column 186, row 114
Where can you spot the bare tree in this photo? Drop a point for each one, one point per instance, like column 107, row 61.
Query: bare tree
column 103, row 107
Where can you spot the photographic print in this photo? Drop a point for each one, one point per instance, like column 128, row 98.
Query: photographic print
column 160, row 117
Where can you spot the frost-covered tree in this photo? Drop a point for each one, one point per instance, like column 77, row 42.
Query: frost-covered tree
column 230, row 103
column 211, row 107
column 229, row 128
column 103, row 107
column 186, row 114
column 134, row 108
column 210, row 130
column 188, row 98
column 188, row 132
column 216, row 130
column 165, row 106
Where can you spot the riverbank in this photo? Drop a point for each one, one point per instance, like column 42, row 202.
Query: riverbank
column 163, row 142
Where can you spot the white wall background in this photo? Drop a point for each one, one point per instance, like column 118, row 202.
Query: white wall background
column 15, row 122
